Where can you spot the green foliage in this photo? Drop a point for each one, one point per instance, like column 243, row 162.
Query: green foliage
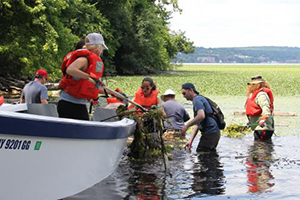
column 145, row 43
column 38, row 34
column 235, row 130
column 147, row 139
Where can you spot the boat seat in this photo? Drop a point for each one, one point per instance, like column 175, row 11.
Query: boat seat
column 104, row 114
column 42, row 109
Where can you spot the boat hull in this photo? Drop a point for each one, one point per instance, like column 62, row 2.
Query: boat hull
column 52, row 167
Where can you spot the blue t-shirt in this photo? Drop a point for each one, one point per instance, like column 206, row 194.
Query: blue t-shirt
column 208, row 125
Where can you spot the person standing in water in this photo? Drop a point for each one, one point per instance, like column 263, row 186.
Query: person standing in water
column 259, row 108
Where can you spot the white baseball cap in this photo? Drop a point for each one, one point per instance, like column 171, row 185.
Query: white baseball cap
column 95, row 38
column 167, row 92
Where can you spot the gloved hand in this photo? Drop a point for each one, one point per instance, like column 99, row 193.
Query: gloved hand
column 96, row 79
column 95, row 101
column 262, row 120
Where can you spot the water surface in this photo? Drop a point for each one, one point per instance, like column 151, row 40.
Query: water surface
column 240, row 169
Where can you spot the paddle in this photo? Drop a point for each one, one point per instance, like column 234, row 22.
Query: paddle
column 117, row 94
column 1, row 100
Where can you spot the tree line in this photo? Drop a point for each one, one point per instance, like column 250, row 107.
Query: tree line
column 269, row 54
column 38, row 34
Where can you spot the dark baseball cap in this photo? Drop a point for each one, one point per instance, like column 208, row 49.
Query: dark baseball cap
column 188, row 86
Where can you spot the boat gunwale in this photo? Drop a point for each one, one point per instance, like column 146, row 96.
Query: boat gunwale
column 25, row 124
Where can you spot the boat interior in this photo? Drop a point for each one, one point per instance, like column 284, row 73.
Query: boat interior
column 99, row 114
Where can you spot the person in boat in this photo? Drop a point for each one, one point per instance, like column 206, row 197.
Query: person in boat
column 147, row 95
column 35, row 91
column 210, row 132
column 176, row 115
column 114, row 102
column 81, row 79
column 78, row 45
column 259, row 108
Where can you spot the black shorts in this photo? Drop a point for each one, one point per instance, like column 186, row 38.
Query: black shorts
column 70, row 110
column 208, row 141
column 263, row 134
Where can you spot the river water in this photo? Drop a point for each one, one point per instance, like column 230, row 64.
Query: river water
column 240, row 169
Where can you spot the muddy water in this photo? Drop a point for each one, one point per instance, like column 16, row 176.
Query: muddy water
column 240, row 169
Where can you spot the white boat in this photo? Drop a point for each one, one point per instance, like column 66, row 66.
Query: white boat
column 48, row 158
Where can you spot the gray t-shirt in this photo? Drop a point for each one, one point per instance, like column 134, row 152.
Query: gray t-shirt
column 33, row 92
column 208, row 125
column 176, row 115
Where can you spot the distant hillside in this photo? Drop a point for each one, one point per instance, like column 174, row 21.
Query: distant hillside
column 241, row 55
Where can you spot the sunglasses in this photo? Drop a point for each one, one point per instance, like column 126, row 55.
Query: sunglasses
column 146, row 88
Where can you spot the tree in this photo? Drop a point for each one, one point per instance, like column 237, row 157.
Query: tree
column 39, row 33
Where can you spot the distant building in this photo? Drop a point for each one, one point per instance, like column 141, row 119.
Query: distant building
column 206, row 59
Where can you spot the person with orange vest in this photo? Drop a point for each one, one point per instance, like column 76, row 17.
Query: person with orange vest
column 259, row 108
column 146, row 95
column 82, row 73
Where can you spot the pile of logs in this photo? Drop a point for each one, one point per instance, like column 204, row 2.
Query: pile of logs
column 11, row 88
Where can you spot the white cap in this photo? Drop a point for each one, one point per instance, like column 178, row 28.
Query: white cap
column 167, row 92
column 95, row 38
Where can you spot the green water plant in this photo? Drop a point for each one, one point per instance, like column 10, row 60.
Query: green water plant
column 235, row 130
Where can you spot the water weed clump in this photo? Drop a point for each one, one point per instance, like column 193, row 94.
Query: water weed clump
column 235, row 131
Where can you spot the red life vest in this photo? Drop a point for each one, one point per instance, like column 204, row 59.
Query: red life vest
column 81, row 88
column 113, row 100
column 146, row 102
column 252, row 109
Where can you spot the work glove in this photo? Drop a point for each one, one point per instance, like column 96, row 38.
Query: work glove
column 1, row 100
column 262, row 121
column 96, row 79
column 95, row 102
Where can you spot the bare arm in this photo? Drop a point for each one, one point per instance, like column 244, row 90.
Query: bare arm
column 199, row 117
column 78, row 68
column 188, row 145
column 44, row 101
column 159, row 103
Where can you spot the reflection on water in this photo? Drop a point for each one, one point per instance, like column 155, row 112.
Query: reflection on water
column 144, row 183
column 207, row 175
column 258, row 165
column 242, row 169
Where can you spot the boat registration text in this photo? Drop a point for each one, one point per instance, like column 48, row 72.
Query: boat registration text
column 14, row 144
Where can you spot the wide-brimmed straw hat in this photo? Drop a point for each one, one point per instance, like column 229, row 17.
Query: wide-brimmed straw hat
column 167, row 93
column 256, row 79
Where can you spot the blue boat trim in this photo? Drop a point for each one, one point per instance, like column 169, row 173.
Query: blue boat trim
column 42, row 128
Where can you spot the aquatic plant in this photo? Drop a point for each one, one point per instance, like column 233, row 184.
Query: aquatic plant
column 219, row 80
column 235, row 130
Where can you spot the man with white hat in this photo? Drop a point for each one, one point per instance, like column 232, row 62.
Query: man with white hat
column 176, row 115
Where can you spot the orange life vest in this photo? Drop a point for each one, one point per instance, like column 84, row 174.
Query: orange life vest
column 146, row 102
column 81, row 88
column 252, row 109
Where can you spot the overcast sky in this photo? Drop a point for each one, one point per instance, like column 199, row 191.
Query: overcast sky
column 239, row 23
